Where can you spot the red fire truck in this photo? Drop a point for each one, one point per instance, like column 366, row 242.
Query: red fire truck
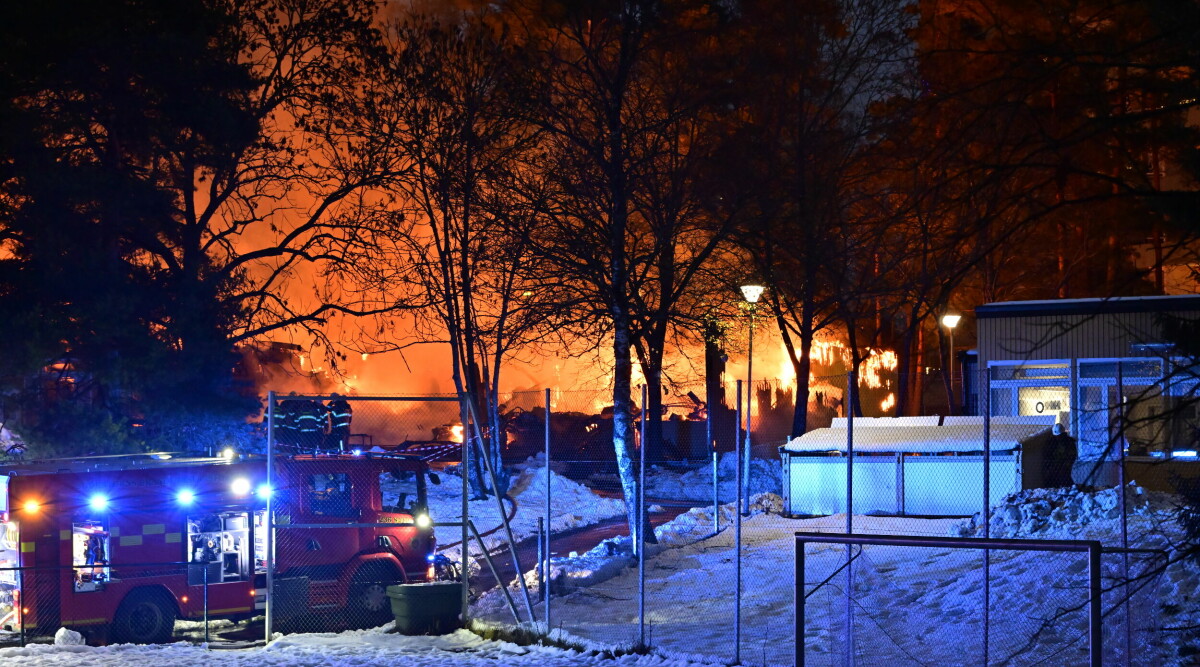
column 122, row 547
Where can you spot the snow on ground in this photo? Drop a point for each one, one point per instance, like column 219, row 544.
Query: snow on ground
column 350, row 649
column 697, row 484
column 910, row 604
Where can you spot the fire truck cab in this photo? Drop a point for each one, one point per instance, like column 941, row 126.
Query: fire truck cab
column 122, row 547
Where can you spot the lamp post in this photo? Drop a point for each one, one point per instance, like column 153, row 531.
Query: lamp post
column 950, row 321
column 751, row 293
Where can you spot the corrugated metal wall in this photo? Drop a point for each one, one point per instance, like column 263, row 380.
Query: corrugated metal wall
column 1030, row 337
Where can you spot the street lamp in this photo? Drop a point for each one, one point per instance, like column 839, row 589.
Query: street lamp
column 752, row 293
column 950, row 320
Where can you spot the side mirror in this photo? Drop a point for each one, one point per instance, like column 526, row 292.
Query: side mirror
column 433, row 477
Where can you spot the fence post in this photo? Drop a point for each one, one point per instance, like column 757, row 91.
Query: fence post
column 851, row 390
column 21, row 604
column 712, row 446
column 464, row 469
column 269, row 527
column 541, row 559
column 851, row 382
column 987, row 516
column 1095, row 629
column 1121, row 484
column 642, row 527
column 546, row 610
column 798, row 649
column 206, row 605
column 737, row 535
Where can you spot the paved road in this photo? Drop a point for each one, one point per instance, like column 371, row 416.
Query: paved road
column 579, row 540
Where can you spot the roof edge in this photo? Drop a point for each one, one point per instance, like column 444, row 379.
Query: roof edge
column 1112, row 305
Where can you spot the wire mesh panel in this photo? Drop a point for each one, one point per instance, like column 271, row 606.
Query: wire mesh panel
column 1134, row 603
column 590, row 548
column 947, row 601
column 352, row 511
column 111, row 601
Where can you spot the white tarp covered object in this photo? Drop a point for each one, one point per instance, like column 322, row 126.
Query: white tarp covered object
column 922, row 435
column 908, row 465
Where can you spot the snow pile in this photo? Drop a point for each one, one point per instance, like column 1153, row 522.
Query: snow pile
column 697, row 484
column 363, row 647
column 573, row 505
column 1068, row 513
column 66, row 637
column 612, row 556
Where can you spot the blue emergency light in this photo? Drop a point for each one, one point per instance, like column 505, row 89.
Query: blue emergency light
column 185, row 497
column 264, row 491
column 98, row 502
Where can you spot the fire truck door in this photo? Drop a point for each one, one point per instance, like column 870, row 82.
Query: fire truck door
column 43, row 585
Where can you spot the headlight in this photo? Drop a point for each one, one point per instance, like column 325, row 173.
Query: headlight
column 423, row 521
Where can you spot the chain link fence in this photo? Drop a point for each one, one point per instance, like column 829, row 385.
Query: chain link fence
column 724, row 529
column 373, row 492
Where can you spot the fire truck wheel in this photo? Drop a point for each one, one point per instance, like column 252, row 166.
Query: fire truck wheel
column 369, row 604
column 144, row 617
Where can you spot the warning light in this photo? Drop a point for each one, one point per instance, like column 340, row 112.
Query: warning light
column 31, row 506
column 98, row 502
column 240, row 486
column 183, row 599
column 185, row 497
column 263, row 492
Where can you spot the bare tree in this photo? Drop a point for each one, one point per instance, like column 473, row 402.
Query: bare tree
column 458, row 240
column 622, row 139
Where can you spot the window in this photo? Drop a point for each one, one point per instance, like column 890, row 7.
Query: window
column 1056, row 371
column 1044, row 401
column 218, row 547
column 329, row 494
column 1130, row 370
column 89, row 554
column 403, row 491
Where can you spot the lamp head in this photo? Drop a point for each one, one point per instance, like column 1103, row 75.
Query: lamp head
column 752, row 293
column 951, row 321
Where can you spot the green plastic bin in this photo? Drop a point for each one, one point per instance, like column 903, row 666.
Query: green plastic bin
column 427, row 609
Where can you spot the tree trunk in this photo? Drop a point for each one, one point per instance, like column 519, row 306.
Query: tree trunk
column 655, row 447
column 855, row 361
column 714, row 390
column 623, row 424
